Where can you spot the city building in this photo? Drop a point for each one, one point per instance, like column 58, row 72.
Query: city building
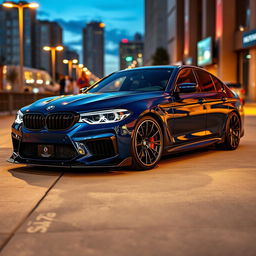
column 48, row 34
column 9, row 36
column 155, row 28
column 131, row 52
column 93, row 47
column 218, row 35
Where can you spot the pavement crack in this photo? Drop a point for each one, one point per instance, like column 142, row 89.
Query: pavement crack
column 2, row 246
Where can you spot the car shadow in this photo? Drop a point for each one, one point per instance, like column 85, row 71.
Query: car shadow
column 33, row 174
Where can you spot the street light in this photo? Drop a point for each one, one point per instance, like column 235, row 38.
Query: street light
column 20, row 6
column 53, row 50
column 79, row 69
column 70, row 63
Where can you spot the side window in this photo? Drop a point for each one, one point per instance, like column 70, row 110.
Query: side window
column 218, row 84
column 205, row 82
column 186, row 75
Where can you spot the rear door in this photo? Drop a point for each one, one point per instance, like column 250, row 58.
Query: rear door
column 188, row 122
column 214, row 102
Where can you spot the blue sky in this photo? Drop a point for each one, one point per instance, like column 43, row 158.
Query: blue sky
column 123, row 18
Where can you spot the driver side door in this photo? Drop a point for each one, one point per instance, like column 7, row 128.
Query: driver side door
column 188, row 122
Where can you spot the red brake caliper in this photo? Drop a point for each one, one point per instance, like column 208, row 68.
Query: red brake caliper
column 152, row 145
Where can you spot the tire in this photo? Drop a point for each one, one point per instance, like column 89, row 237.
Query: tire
column 232, row 133
column 147, row 144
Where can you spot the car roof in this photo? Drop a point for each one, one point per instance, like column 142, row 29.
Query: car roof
column 162, row 67
column 149, row 67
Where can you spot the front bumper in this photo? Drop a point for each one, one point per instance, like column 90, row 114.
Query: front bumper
column 81, row 146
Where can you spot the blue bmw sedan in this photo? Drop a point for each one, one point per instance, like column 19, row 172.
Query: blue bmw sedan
column 129, row 118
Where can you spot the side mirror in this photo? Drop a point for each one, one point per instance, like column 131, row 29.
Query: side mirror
column 187, row 87
column 83, row 90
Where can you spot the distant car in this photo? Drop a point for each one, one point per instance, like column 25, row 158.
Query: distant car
column 238, row 89
column 129, row 118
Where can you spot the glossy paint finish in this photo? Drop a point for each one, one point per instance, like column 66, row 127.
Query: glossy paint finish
column 188, row 120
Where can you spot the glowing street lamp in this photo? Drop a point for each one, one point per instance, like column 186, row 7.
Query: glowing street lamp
column 33, row 5
column 59, row 48
column 53, row 50
column 79, row 69
column 20, row 6
column 102, row 25
column 70, row 64
column 8, row 5
column 47, row 48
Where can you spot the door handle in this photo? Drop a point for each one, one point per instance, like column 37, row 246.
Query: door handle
column 201, row 101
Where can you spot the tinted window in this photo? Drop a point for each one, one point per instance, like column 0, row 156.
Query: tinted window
column 186, row 75
column 205, row 82
column 218, row 84
column 134, row 80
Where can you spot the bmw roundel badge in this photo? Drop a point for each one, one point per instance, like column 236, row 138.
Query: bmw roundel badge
column 50, row 108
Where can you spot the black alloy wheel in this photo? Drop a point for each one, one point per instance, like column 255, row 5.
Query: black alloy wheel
column 147, row 143
column 233, row 132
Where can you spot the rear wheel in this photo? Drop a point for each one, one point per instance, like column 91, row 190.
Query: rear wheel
column 147, row 143
column 233, row 132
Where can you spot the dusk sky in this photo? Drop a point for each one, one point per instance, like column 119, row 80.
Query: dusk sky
column 122, row 18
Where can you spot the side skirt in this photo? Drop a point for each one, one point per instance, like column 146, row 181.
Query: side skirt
column 193, row 145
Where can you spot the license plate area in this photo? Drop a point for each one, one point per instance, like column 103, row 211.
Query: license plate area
column 45, row 151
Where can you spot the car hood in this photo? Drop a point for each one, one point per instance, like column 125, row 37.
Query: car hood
column 90, row 101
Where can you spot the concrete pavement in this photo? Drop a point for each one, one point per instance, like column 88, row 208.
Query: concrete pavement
column 198, row 203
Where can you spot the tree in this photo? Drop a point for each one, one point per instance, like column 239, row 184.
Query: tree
column 161, row 57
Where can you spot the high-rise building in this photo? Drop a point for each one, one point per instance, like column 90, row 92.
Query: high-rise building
column 9, row 36
column 175, row 30
column 48, row 34
column 131, row 52
column 219, row 35
column 93, row 47
column 155, row 28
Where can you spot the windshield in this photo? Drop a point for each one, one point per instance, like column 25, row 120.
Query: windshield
column 143, row 80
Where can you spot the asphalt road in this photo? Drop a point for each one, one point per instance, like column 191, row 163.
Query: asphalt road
column 198, row 203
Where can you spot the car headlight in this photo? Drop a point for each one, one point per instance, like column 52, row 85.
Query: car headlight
column 19, row 117
column 104, row 117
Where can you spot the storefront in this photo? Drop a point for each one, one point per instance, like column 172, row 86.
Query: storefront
column 247, row 64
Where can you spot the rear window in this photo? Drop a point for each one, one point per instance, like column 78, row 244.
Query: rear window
column 218, row 84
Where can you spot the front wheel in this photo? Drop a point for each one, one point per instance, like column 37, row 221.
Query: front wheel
column 233, row 132
column 147, row 143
